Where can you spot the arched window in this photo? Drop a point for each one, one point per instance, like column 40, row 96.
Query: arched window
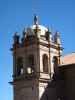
column 31, row 60
column 55, row 62
column 19, row 66
column 30, row 64
column 45, row 63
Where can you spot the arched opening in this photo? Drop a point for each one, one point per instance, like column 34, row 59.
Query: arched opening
column 19, row 66
column 55, row 64
column 30, row 65
column 45, row 63
column 31, row 60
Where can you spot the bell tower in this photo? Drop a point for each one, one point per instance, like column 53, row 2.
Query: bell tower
column 34, row 57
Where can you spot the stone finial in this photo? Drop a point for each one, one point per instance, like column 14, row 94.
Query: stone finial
column 16, row 37
column 48, row 35
column 35, row 20
column 57, row 38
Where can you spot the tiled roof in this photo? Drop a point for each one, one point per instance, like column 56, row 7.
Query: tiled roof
column 69, row 59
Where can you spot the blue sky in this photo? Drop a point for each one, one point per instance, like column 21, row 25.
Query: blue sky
column 17, row 14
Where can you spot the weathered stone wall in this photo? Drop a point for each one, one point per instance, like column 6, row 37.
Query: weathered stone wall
column 68, row 73
column 26, row 90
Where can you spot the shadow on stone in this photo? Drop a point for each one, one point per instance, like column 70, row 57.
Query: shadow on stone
column 54, row 90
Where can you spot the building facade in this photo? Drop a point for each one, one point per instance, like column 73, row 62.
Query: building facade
column 38, row 72
column 35, row 59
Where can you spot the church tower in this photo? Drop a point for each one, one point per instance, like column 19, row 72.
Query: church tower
column 35, row 60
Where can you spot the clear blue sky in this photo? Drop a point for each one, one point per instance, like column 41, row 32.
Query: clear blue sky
column 17, row 14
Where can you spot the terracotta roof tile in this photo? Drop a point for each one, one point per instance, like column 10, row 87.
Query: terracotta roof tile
column 69, row 59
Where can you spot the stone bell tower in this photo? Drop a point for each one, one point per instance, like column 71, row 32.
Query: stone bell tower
column 34, row 57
